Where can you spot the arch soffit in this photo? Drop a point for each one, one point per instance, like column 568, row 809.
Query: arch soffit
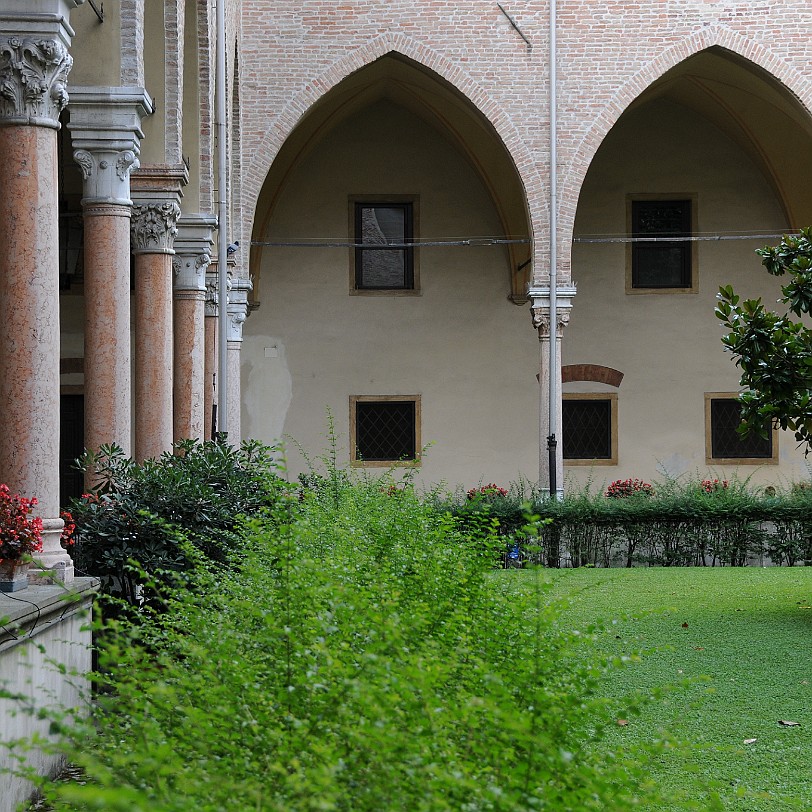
column 268, row 148
column 792, row 80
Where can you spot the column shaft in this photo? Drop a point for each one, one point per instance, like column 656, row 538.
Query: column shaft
column 189, row 380
column 153, row 355
column 29, row 315
column 234, row 393
column 209, row 371
column 108, row 417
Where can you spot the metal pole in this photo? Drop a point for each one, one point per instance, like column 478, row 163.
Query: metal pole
column 222, row 223
column 554, row 382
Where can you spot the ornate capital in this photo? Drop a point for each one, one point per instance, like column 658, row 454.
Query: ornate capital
column 237, row 306
column 33, row 79
column 540, row 309
column 154, row 226
column 106, row 174
column 189, row 270
column 193, row 246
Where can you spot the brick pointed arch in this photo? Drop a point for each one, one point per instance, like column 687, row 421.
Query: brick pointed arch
column 264, row 152
column 798, row 84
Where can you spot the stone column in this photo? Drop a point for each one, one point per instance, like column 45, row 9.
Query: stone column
column 34, row 65
column 105, row 125
column 210, row 364
column 540, row 310
column 237, row 314
column 156, row 192
column 192, row 256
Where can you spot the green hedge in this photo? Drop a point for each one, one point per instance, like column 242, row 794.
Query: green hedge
column 709, row 523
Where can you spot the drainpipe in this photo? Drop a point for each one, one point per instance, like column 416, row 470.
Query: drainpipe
column 222, row 221
column 554, row 382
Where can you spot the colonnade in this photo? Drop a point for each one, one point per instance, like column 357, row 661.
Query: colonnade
column 127, row 209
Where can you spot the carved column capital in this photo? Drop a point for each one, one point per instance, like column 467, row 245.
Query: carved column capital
column 154, row 226
column 540, row 309
column 193, row 247
column 237, row 307
column 33, row 79
column 105, row 126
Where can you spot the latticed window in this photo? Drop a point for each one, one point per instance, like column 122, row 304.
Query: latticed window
column 587, row 428
column 660, row 263
column 385, row 430
column 384, row 260
column 726, row 442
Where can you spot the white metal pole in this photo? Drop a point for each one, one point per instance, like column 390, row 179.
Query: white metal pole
column 222, row 221
column 554, row 382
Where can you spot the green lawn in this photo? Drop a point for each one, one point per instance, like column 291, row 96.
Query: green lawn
column 743, row 639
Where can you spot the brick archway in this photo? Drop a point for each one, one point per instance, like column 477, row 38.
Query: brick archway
column 799, row 85
column 268, row 147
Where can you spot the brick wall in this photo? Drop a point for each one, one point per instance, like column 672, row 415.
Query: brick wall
column 608, row 53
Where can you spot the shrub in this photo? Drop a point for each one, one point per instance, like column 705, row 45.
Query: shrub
column 20, row 533
column 362, row 657
column 141, row 512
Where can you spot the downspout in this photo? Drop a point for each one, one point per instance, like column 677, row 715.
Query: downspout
column 222, row 221
column 554, row 382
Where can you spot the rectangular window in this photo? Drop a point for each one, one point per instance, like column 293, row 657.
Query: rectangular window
column 660, row 263
column 589, row 429
column 385, row 429
column 723, row 442
column 383, row 235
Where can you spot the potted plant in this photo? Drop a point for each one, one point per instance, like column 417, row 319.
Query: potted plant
column 20, row 537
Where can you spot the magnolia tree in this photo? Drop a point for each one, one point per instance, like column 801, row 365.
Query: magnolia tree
column 774, row 350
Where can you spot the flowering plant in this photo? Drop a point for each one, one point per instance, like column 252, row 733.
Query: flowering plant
column 67, row 537
column 621, row 488
column 714, row 485
column 491, row 489
column 20, row 534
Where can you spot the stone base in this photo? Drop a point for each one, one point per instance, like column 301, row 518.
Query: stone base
column 61, row 573
column 16, row 584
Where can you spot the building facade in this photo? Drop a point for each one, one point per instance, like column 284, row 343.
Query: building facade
column 396, row 204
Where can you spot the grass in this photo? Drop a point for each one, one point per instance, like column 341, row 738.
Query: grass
column 732, row 651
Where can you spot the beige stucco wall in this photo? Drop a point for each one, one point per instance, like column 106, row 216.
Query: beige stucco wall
column 668, row 345
column 468, row 351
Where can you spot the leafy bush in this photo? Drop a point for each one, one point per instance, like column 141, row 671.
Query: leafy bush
column 141, row 512
column 362, row 657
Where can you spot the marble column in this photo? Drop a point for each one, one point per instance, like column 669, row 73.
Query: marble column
column 193, row 246
column 34, row 65
column 105, row 125
column 210, row 351
column 156, row 192
column 540, row 310
column 237, row 314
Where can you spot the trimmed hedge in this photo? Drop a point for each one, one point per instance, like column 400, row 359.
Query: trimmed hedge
column 708, row 523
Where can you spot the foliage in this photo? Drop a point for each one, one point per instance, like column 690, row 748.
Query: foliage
column 774, row 351
column 141, row 512
column 361, row 658
column 20, row 533
column 707, row 522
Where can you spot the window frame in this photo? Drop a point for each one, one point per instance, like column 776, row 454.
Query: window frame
column 613, row 439
column 354, row 461
column 693, row 247
column 412, row 254
column 710, row 459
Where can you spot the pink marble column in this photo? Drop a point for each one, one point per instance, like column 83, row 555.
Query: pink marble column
column 107, row 326
column 34, row 73
column 156, row 193
column 192, row 256
column 105, row 127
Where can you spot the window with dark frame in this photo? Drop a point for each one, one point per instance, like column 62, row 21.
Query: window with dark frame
column 726, row 442
column 660, row 263
column 384, row 259
column 586, row 429
column 385, row 430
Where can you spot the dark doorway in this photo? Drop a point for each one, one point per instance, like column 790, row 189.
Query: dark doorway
column 71, row 446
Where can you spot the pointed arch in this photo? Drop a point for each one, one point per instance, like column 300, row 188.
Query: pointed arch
column 793, row 81
column 266, row 150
